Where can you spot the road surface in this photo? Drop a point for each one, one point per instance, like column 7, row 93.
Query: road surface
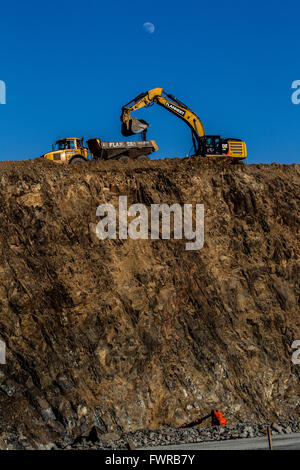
column 284, row 442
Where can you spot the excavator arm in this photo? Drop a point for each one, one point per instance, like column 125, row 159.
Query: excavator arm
column 132, row 125
column 204, row 145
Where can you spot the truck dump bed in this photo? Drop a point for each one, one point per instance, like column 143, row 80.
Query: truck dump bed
column 121, row 150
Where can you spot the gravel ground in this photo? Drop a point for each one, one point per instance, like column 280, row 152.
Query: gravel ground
column 169, row 436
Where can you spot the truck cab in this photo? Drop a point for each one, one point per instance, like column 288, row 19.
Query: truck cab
column 68, row 150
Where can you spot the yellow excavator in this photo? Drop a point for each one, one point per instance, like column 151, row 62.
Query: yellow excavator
column 204, row 145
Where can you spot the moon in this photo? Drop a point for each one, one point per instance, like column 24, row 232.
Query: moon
column 149, row 27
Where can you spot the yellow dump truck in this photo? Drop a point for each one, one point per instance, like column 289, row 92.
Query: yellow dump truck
column 73, row 150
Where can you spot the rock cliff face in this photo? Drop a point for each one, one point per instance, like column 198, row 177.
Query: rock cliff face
column 131, row 334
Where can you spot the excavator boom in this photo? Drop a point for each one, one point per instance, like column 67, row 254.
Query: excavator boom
column 132, row 126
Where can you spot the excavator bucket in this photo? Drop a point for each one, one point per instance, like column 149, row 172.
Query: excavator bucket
column 134, row 126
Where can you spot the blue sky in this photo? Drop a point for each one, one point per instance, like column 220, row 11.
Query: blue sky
column 69, row 66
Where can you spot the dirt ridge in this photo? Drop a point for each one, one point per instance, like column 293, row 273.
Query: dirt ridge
column 136, row 334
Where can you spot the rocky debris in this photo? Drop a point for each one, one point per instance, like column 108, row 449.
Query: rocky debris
column 123, row 335
column 175, row 436
column 161, row 437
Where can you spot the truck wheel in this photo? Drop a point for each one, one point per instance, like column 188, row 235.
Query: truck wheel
column 77, row 160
